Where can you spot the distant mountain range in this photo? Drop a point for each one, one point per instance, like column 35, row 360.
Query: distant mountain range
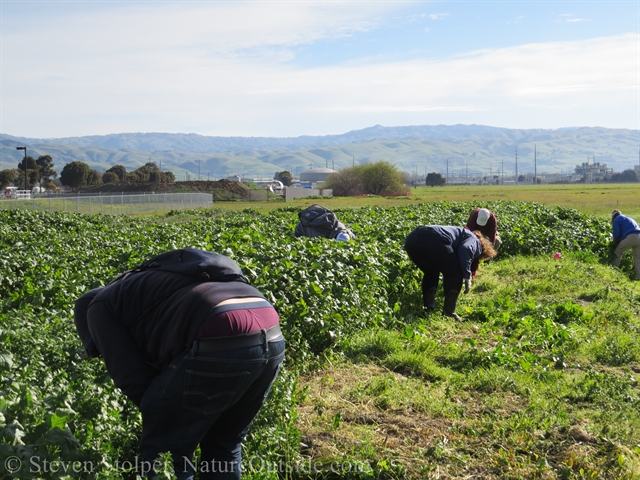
column 427, row 148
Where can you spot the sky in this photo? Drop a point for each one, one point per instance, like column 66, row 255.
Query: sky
column 290, row 68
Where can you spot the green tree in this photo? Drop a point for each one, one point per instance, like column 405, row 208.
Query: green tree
column 374, row 178
column 74, row 174
column 7, row 177
column 32, row 172
column 146, row 172
column 45, row 168
column 94, row 177
column 435, row 179
column 285, row 177
column 110, row 177
column 380, row 177
column 167, row 177
column 628, row 175
column 120, row 171
column 133, row 177
column 345, row 183
column 32, row 178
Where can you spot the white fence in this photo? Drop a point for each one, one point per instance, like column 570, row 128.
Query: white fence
column 291, row 193
column 113, row 204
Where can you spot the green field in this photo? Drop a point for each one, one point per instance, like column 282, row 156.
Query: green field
column 539, row 380
column 592, row 199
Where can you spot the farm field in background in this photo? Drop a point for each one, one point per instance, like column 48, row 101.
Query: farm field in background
column 596, row 199
column 593, row 199
column 540, row 380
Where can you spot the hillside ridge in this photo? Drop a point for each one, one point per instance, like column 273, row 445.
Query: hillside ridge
column 416, row 148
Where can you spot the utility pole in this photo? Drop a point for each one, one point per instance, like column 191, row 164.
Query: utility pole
column 516, row 165
column 535, row 165
column 447, row 179
column 198, row 170
column 25, row 164
column 503, row 171
column 466, row 175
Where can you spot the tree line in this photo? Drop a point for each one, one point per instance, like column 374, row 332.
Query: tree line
column 78, row 174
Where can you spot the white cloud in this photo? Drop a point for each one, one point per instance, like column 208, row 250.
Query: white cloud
column 223, row 70
column 438, row 16
column 414, row 18
column 517, row 20
column 569, row 18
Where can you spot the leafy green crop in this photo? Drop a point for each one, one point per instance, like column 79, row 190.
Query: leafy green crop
column 58, row 406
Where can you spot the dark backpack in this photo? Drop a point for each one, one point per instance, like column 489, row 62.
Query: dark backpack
column 200, row 264
column 319, row 218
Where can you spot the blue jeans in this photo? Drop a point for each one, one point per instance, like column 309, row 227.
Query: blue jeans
column 207, row 399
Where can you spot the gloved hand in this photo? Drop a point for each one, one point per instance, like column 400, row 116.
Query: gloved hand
column 467, row 285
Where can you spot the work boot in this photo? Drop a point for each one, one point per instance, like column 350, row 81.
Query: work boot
column 430, row 299
column 450, row 302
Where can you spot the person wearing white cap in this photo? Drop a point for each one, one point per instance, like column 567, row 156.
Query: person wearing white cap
column 484, row 221
column 450, row 251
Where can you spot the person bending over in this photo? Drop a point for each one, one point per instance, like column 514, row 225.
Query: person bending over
column 627, row 232
column 194, row 347
column 449, row 250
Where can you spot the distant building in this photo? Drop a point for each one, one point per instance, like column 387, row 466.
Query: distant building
column 316, row 175
column 593, row 172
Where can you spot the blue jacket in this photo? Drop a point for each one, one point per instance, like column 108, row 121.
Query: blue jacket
column 447, row 239
column 623, row 226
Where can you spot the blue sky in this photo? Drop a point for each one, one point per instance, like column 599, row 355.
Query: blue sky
column 289, row 68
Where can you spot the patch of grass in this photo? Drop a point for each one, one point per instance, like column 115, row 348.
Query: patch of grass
column 617, row 348
column 539, row 380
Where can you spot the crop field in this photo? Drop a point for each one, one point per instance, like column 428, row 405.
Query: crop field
column 594, row 199
column 539, row 380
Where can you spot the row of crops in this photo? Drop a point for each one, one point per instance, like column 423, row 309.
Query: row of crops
column 61, row 417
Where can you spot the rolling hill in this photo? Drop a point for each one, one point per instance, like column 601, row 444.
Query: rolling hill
column 472, row 148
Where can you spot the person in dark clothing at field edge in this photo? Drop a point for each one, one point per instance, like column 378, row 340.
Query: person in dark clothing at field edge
column 195, row 347
column 448, row 250
column 627, row 232
column 317, row 221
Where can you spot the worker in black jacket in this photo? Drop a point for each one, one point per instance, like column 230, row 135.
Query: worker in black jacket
column 437, row 249
column 196, row 353
column 317, row 221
